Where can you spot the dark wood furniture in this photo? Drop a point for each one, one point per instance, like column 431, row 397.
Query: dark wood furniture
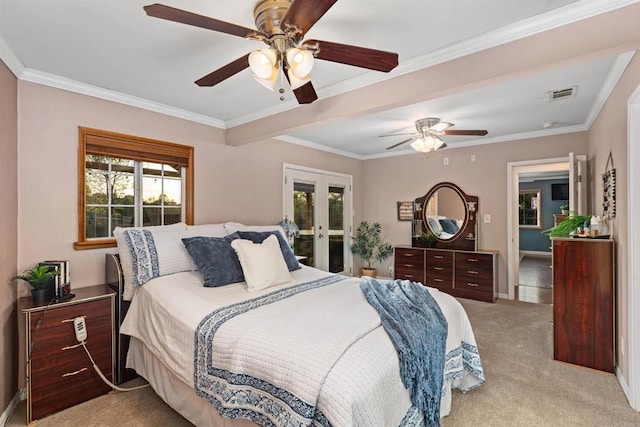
column 558, row 218
column 465, row 274
column 58, row 371
column 583, row 302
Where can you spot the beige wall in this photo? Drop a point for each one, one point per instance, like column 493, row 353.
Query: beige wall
column 404, row 178
column 9, row 241
column 609, row 133
column 231, row 183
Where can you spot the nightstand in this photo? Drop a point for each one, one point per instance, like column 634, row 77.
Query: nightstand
column 58, row 371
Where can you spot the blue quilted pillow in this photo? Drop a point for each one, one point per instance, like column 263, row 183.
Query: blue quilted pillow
column 216, row 259
column 287, row 252
column 448, row 226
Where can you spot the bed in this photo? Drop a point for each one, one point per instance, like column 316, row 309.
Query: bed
column 308, row 351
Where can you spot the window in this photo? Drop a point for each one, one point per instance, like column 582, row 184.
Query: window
column 529, row 209
column 127, row 181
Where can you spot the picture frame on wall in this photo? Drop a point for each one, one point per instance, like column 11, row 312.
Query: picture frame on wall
column 405, row 211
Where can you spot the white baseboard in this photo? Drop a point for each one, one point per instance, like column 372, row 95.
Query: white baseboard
column 625, row 387
column 8, row 412
column 503, row 296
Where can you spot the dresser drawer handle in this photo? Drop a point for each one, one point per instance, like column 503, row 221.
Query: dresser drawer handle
column 472, row 259
column 438, row 280
column 438, row 268
column 408, row 265
column 69, row 347
column 408, row 254
column 70, row 374
column 473, row 285
column 472, row 272
column 438, row 257
column 408, row 275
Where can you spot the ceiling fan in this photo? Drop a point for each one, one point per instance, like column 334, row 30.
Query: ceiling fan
column 281, row 25
column 428, row 136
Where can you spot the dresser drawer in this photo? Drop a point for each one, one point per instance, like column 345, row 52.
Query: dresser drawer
column 409, row 264
column 474, row 272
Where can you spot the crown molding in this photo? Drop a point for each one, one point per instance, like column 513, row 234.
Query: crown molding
column 63, row 83
column 320, row 147
column 13, row 63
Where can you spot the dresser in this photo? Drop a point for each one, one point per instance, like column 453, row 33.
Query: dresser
column 59, row 373
column 584, row 302
column 466, row 274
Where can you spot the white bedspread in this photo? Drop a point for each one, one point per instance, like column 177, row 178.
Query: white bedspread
column 363, row 388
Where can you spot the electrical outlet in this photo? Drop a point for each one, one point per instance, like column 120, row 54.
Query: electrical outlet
column 473, row 157
column 445, row 161
column 390, row 271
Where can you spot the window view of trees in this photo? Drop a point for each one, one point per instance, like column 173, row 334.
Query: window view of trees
column 110, row 194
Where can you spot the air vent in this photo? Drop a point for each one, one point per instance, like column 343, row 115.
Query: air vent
column 562, row 93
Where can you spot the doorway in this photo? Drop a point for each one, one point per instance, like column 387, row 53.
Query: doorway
column 320, row 203
column 575, row 166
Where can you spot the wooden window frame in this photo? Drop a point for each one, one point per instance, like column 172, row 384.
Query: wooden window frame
column 95, row 141
column 538, row 194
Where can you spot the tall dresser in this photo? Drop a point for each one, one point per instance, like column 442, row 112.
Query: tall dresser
column 584, row 302
column 466, row 274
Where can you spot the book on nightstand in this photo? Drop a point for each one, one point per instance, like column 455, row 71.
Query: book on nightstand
column 62, row 281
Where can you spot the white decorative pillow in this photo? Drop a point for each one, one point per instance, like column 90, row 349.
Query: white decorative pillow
column 262, row 263
column 232, row 227
column 126, row 260
column 207, row 230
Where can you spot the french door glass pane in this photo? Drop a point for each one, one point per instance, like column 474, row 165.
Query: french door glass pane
column 336, row 229
column 303, row 209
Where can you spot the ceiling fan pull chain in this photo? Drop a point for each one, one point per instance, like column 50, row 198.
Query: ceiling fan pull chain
column 281, row 90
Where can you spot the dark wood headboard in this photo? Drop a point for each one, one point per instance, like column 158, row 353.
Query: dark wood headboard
column 115, row 280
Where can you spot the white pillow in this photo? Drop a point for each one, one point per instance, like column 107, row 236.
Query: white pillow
column 262, row 263
column 207, row 230
column 126, row 260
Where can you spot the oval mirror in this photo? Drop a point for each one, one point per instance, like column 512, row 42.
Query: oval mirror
column 445, row 211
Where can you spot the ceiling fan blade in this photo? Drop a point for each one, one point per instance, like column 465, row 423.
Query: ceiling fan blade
column 305, row 94
column 169, row 13
column 399, row 144
column 455, row 132
column 304, row 13
column 363, row 57
column 225, row 72
column 442, row 146
column 396, row 134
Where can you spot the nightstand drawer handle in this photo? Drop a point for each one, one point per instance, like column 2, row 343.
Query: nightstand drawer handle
column 472, row 259
column 71, row 320
column 438, row 268
column 409, row 254
column 438, row 257
column 438, row 280
column 69, row 347
column 473, row 285
column 70, row 374
column 472, row 272
column 408, row 265
column 408, row 275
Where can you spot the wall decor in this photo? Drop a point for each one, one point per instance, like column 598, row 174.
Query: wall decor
column 405, row 211
column 609, row 190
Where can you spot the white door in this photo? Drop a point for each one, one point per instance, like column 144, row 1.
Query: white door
column 319, row 202
column 578, row 184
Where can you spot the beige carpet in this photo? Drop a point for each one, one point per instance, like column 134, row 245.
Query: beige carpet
column 524, row 387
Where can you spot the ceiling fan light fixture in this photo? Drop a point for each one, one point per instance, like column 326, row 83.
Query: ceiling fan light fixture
column 269, row 83
column 440, row 126
column 424, row 144
column 300, row 61
column 263, row 63
column 296, row 81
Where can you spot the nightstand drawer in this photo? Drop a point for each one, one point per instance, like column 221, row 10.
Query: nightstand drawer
column 59, row 371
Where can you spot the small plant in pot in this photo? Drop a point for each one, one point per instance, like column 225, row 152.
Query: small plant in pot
column 428, row 238
column 40, row 278
column 564, row 209
column 369, row 246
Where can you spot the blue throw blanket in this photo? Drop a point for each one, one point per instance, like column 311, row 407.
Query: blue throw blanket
column 418, row 329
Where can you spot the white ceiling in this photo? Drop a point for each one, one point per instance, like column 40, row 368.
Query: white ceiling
column 112, row 49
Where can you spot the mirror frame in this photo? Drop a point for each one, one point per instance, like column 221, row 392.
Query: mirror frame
column 465, row 239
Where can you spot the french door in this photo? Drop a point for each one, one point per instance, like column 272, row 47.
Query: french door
column 320, row 203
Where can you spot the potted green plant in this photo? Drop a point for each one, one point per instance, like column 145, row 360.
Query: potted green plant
column 568, row 226
column 40, row 278
column 428, row 238
column 564, row 209
column 367, row 243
